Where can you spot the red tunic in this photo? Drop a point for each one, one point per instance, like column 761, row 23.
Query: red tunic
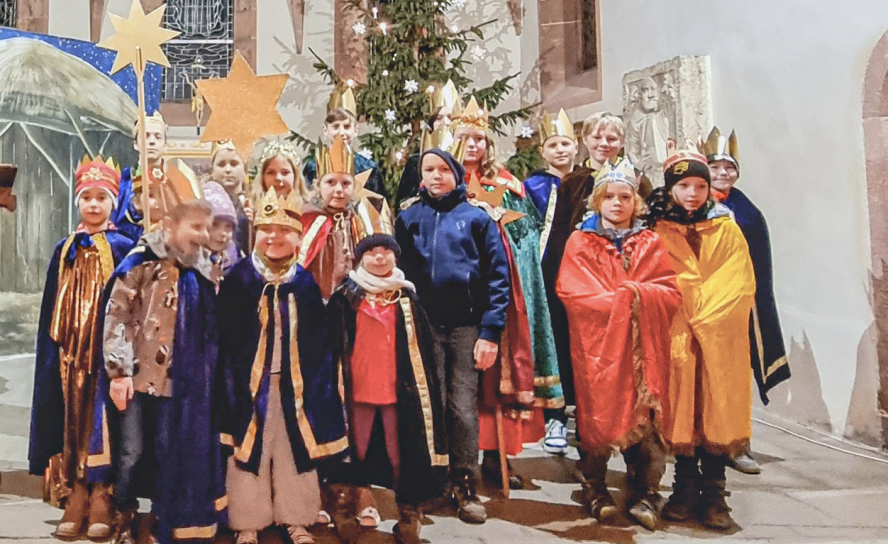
column 620, row 310
column 374, row 371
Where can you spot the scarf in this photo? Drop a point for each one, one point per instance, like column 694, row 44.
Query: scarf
column 375, row 284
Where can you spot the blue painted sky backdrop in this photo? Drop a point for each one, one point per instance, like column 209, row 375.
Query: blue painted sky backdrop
column 102, row 60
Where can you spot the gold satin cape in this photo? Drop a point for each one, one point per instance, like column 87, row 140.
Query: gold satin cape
column 710, row 387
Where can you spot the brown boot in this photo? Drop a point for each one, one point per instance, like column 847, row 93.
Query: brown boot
column 76, row 505
column 406, row 531
column 341, row 505
column 595, row 494
column 715, row 512
column 100, row 514
column 682, row 505
column 125, row 521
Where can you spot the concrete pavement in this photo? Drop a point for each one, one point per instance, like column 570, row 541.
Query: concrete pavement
column 807, row 492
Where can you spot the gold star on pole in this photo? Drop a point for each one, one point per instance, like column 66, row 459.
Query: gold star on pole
column 243, row 106
column 139, row 31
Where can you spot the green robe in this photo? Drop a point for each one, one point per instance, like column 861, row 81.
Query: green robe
column 524, row 236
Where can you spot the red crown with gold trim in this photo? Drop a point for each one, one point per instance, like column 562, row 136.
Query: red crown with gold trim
column 97, row 173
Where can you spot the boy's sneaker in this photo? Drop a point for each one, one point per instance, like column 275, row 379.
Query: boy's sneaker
column 555, row 441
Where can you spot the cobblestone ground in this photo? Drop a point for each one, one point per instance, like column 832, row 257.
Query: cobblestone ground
column 807, row 492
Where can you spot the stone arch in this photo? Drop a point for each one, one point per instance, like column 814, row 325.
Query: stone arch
column 875, row 130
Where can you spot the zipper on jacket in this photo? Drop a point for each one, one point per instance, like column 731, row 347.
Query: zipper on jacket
column 435, row 244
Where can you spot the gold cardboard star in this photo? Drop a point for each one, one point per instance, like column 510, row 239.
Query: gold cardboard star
column 140, row 30
column 493, row 198
column 243, row 106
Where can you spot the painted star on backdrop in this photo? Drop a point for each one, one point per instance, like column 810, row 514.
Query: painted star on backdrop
column 243, row 106
column 140, row 30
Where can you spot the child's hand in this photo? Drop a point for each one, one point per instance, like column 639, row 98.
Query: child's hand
column 248, row 212
column 121, row 391
column 485, row 354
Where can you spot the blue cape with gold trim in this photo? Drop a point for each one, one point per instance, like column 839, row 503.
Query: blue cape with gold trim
column 769, row 362
column 188, row 495
column 47, row 407
column 309, row 383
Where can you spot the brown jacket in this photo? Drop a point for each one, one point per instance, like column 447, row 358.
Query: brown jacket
column 140, row 320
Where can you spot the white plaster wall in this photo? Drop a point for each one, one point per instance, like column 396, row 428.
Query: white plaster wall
column 69, row 19
column 788, row 77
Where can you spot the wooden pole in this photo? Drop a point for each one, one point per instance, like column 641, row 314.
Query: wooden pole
column 138, row 67
column 501, row 446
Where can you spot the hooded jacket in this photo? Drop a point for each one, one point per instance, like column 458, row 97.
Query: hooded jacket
column 453, row 252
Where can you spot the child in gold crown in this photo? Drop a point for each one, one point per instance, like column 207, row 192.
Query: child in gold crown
column 68, row 340
column 284, row 413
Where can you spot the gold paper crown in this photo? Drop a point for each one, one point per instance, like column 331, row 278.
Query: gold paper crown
column 343, row 100
column 97, row 173
column 99, row 162
column 374, row 217
column 620, row 170
column 559, row 125
column 224, row 144
column 174, row 185
column 286, row 212
column 338, row 159
column 440, row 138
column 156, row 116
column 447, row 97
column 275, row 148
column 718, row 148
column 473, row 116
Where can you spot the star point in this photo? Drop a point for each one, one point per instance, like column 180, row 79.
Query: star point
column 243, row 106
column 139, row 31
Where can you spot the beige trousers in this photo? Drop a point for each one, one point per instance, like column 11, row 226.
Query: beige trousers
column 279, row 493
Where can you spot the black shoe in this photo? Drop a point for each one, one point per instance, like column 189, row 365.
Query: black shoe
column 682, row 504
column 714, row 511
column 470, row 508
column 490, row 469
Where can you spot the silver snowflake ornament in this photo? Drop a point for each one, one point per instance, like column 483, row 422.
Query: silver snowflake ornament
column 390, row 115
column 366, row 153
column 526, row 132
column 411, row 86
column 359, row 28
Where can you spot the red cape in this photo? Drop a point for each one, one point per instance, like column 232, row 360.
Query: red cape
column 619, row 322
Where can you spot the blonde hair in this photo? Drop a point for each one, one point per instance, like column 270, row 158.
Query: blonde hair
column 258, row 186
column 597, row 197
column 604, row 119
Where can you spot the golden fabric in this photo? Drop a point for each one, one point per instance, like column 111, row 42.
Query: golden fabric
column 73, row 327
column 711, row 383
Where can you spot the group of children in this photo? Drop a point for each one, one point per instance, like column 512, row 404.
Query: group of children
column 262, row 353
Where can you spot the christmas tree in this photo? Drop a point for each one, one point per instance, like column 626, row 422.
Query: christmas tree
column 411, row 51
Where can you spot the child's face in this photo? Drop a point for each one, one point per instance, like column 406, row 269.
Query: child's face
column 559, row 151
column 220, row 235
column 476, row 144
column 724, row 175
column 279, row 174
column 95, row 207
column 618, row 204
column 437, row 177
column 379, row 261
column 603, row 142
column 277, row 242
column 190, row 233
column 336, row 190
column 345, row 128
column 155, row 140
column 229, row 170
column 691, row 193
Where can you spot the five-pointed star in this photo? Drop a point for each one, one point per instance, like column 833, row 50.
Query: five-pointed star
column 140, row 30
column 243, row 106
column 494, row 198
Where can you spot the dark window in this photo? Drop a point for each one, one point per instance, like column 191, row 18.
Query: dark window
column 203, row 50
column 7, row 13
column 589, row 60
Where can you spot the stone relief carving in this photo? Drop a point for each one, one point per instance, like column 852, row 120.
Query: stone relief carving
column 671, row 99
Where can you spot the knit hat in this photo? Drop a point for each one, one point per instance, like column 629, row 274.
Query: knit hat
column 377, row 240
column 220, row 202
column 685, row 163
column 458, row 171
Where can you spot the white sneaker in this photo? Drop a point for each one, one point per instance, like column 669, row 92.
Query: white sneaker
column 555, row 440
